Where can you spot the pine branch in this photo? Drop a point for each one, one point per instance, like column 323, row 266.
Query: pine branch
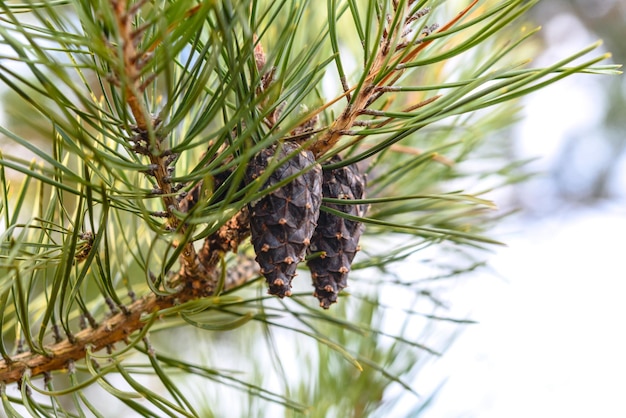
column 148, row 139
column 113, row 330
column 121, row 326
column 393, row 48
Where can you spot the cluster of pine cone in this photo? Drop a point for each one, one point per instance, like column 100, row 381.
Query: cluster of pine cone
column 287, row 224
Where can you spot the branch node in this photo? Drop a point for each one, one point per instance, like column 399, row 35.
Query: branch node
column 82, row 322
column 170, row 157
column 20, row 346
column 56, row 334
column 125, row 310
column 140, row 149
column 151, row 170
column 71, row 367
column 372, row 112
column 111, row 305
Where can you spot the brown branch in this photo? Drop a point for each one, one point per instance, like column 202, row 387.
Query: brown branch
column 129, row 55
column 114, row 329
column 191, row 267
column 346, row 120
column 368, row 91
column 118, row 327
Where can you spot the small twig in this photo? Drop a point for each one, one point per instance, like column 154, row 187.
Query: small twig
column 369, row 92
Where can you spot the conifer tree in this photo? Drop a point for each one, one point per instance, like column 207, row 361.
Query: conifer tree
column 186, row 185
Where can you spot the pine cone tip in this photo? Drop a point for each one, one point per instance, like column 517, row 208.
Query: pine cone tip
column 326, row 298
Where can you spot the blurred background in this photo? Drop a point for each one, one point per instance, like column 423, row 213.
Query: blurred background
column 550, row 339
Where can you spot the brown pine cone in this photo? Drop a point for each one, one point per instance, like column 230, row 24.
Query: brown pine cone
column 336, row 238
column 283, row 221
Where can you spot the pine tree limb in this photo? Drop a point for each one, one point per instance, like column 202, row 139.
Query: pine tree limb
column 117, row 328
column 191, row 267
column 112, row 330
column 370, row 92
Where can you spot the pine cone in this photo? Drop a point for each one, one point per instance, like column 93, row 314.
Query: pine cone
column 283, row 221
column 336, row 238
